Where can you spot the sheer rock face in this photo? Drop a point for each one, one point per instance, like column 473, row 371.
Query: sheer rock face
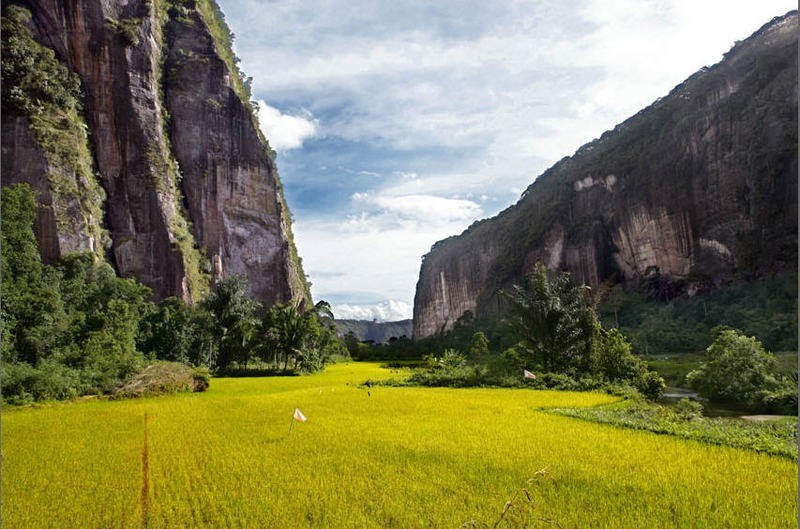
column 229, row 180
column 229, row 193
column 123, row 112
column 698, row 186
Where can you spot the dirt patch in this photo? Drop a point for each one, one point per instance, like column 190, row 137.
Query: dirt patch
column 763, row 418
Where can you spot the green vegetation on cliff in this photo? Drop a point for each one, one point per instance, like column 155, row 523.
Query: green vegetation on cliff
column 698, row 190
column 37, row 86
column 168, row 178
column 206, row 16
column 763, row 307
column 223, row 37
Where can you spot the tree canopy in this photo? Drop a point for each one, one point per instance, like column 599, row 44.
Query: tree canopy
column 554, row 320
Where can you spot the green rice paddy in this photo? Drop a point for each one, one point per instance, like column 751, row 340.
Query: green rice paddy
column 370, row 457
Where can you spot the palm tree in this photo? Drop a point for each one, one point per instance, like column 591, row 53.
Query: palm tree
column 285, row 332
column 554, row 320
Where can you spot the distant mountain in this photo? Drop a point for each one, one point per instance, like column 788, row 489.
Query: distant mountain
column 696, row 188
column 378, row 332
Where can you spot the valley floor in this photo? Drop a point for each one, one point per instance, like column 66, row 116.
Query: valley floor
column 370, row 457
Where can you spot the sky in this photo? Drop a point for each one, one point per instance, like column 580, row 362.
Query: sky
column 400, row 123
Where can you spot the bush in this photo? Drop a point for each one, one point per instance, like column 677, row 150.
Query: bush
column 737, row 369
column 612, row 357
column 689, row 409
column 202, row 378
column 24, row 383
column 162, row 378
column 650, row 384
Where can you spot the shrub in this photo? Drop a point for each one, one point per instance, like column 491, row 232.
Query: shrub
column 24, row 383
column 689, row 409
column 650, row 384
column 737, row 369
column 612, row 357
column 202, row 378
column 162, row 378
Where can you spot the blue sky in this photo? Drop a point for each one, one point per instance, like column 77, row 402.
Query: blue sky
column 399, row 123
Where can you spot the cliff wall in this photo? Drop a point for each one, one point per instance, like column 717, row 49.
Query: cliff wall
column 190, row 186
column 697, row 187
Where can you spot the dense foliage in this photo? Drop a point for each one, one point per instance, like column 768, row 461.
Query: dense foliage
column 764, row 307
column 69, row 329
column 737, row 369
column 232, row 333
column 552, row 332
column 33, row 78
column 77, row 328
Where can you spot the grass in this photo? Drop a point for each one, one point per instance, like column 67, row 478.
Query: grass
column 393, row 457
column 674, row 368
column 776, row 438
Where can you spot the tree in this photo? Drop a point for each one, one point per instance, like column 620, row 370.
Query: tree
column 612, row 357
column 284, row 332
column 178, row 332
column 235, row 322
column 553, row 319
column 32, row 309
column 736, row 369
column 68, row 329
column 105, row 312
column 479, row 346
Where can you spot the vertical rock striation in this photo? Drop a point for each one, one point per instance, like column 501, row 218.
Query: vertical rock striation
column 698, row 186
column 229, row 181
column 114, row 49
column 191, row 189
column 45, row 143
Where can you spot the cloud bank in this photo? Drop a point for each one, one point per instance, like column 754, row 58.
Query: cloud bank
column 390, row 310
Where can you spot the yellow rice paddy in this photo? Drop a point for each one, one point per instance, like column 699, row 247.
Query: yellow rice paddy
column 383, row 457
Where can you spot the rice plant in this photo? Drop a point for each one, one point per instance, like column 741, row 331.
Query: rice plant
column 370, row 457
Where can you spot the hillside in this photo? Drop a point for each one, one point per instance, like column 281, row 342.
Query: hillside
column 699, row 187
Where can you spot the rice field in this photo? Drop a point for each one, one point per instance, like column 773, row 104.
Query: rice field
column 393, row 457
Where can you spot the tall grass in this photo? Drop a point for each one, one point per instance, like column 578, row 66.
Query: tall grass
column 393, row 457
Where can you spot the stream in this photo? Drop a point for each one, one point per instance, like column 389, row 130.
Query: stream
column 712, row 409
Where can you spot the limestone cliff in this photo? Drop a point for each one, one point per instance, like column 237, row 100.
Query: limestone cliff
column 700, row 185
column 190, row 185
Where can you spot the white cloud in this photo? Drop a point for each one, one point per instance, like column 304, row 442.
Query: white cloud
column 429, row 208
column 376, row 250
column 390, row 310
column 283, row 131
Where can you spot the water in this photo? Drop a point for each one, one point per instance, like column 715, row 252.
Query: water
column 710, row 409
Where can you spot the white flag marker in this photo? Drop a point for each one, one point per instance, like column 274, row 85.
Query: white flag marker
column 528, row 374
column 297, row 416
